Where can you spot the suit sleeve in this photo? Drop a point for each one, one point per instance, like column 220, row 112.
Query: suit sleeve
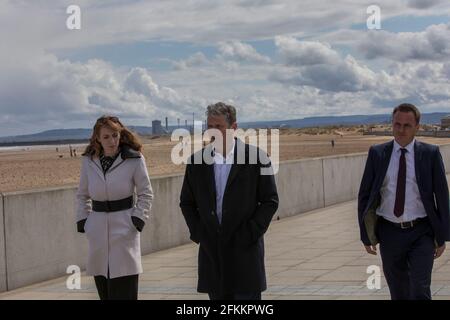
column 440, row 189
column 268, row 202
column 364, row 194
column 189, row 207
column 144, row 191
column 84, row 202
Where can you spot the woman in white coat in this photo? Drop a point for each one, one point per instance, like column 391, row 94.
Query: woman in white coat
column 114, row 200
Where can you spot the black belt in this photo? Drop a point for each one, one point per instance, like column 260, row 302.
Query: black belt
column 408, row 224
column 111, row 206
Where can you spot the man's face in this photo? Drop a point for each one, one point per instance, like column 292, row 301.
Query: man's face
column 404, row 127
column 220, row 123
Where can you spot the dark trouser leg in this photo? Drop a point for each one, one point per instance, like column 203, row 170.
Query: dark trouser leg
column 420, row 261
column 407, row 256
column 247, row 296
column 102, row 287
column 123, row 288
column 393, row 250
column 217, row 296
column 235, row 296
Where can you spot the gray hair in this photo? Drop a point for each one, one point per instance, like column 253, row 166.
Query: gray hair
column 222, row 109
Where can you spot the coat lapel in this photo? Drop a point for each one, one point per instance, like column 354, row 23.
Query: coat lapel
column 95, row 163
column 387, row 153
column 208, row 171
column 211, row 181
column 417, row 159
column 235, row 167
column 116, row 163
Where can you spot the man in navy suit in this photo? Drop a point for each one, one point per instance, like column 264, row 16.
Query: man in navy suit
column 403, row 204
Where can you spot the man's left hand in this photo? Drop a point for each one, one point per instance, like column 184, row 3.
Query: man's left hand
column 439, row 251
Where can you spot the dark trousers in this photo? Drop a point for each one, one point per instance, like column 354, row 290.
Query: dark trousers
column 408, row 256
column 122, row 288
column 235, row 296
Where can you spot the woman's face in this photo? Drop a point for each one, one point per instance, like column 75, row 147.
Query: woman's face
column 109, row 139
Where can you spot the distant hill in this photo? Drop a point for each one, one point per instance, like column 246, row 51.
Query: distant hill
column 61, row 135
column 81, row 135
column 428, row 118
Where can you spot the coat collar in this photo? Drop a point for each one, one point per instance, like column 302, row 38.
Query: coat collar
column 235, row 167
column 125, row 153
column 387, row 153
column 409, row 147
column 386, row 158
column 128, row 153
column 239, row 146
column 417, row 159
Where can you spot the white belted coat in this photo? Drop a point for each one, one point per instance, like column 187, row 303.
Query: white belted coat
column 114, row 241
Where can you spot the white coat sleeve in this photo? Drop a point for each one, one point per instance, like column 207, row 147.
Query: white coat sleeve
column 84, row 202
column 144, row 191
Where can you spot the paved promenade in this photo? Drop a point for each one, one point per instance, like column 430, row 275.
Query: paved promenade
column 316, row 255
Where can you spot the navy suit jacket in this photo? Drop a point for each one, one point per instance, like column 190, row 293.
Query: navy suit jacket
column 431, row 180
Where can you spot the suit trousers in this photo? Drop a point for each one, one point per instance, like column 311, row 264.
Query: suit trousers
column 407, row 256
column 121, row 288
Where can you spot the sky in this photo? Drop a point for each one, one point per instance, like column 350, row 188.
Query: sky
column 271, row 59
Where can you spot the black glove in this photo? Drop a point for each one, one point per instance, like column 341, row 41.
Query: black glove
column 80, row 225
column 138, row 223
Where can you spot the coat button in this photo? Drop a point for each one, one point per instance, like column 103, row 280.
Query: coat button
column 213, row 213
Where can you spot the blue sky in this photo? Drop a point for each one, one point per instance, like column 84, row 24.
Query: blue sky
column 145, row 60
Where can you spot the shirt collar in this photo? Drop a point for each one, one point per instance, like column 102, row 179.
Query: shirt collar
column 218, row 158
column 409, row 147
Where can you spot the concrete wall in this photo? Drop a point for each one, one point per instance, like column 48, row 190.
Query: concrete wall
column 41, row 238
column 342, row 177
column 3, row 286
column 445, row 152
column 166, row 227
column 300, row 186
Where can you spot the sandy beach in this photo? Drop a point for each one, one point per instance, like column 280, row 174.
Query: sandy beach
column 25, row 168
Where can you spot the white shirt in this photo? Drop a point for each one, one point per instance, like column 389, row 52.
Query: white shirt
column 222, row 168
column 413, row 203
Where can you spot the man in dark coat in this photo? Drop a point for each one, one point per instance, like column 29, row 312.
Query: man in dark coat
column 228, row 203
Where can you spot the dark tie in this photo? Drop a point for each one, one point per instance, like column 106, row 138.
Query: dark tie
column 399, row 206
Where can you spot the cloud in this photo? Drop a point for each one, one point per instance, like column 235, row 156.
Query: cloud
column 200, row 21
column 240, row 51
column 322, row 74
column 256, row 3
column 431, row 44
column 317, row 65
column 423, row 4
column 232, row 55
column 446, row 70
column 49, row 92
column 139, row 81
column 195, row 60
column 305, row 53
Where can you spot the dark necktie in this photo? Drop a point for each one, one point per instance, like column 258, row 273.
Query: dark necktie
column 399, row 206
